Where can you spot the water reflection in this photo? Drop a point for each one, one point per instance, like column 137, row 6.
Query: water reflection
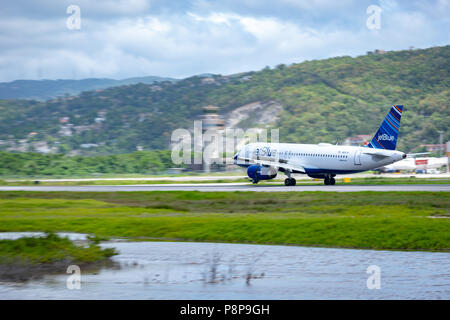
column 177, row 270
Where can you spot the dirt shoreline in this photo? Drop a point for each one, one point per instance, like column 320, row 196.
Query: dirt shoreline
column 21, row 271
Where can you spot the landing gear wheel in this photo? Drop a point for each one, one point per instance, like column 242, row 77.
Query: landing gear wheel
column 332, row 181
column 290, row 182
column 254, row 181
column 329, row 181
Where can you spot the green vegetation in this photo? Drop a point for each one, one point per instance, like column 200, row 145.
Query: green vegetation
column 49, row 249
column 378, row 220
column 36, row 164
column 30, row 257
column 323, row 101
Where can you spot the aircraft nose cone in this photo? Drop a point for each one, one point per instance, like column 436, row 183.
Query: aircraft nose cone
column 236, row 158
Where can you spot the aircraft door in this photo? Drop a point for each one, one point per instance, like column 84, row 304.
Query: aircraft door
column 246, row 152
column 358, row 157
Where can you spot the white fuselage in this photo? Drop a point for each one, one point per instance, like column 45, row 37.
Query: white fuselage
column 320, row 158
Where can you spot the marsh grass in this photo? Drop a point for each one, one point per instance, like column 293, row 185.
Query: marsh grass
column 377, row 220
column 31, row 257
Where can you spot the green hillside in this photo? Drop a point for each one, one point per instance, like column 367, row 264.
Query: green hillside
column 323, row 101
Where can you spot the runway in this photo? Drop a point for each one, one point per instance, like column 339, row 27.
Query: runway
column 231, row 187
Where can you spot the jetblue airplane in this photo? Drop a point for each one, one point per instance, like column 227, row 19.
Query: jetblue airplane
column 323, row 160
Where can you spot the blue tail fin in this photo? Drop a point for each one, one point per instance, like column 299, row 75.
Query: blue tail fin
column 386, row 136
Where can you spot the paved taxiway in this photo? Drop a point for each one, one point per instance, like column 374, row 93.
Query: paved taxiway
column 280, row 178
column 231, row 187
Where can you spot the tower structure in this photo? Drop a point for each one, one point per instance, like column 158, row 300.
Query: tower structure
column 211, row 123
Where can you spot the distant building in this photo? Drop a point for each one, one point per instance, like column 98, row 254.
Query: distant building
column 80, row 129
column 88, row 145
column 376, row 51
column 358, row 140
column 246, row 78
column 155, row 88
column 101, row 113
column 208, row 80
column 66, row 130
column 432, row 147
column 43, row 147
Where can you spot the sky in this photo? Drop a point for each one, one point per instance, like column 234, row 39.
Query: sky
column 130, row 38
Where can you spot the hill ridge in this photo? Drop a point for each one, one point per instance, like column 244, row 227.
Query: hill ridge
column 320, row 101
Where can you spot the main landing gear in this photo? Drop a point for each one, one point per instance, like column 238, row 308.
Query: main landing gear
column 329, row 181
column 289, row 180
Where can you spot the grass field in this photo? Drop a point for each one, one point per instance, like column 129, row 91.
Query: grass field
column 377, row 220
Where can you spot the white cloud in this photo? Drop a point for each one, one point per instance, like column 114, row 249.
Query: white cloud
column 320, row 4
column 141, row 39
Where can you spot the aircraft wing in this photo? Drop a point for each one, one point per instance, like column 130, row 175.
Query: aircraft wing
column 276, row 164
column 377, row 152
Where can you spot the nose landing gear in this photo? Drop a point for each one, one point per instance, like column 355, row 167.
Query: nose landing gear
column 289, row 180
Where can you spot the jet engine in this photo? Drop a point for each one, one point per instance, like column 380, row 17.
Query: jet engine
column 257, row 172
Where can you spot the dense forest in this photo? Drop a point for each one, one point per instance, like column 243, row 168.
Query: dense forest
column 33, row 164
column 322, row 101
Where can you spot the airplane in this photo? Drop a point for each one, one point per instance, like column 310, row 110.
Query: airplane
column 323, row 160
column 416, row 164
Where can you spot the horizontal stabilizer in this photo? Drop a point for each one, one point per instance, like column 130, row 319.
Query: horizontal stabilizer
column 415, row 155
column 376, row 152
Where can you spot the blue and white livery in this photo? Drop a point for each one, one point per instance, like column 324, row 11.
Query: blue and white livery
column 386, row 136
column 324, row 161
